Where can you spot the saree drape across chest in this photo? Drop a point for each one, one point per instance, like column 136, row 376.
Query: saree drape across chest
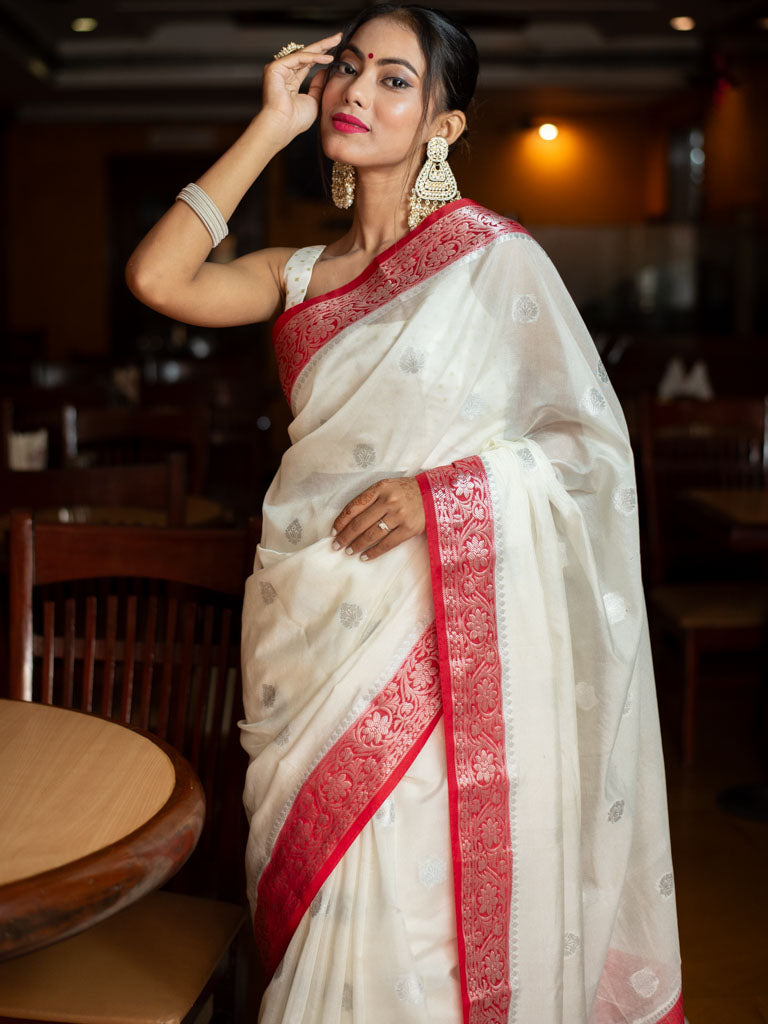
column 456, row 788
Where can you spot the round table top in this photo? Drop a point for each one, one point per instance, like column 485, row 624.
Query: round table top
column 94, row 815
column 71, row 784
column 741, row 507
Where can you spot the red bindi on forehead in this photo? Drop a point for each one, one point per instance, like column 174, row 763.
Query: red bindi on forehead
column 370, row 56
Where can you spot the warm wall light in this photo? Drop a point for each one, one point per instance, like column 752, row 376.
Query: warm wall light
column 84, row 24
column 682, row 24
column 763, row 22
column 548, row 132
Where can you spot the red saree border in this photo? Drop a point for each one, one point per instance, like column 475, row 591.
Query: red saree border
column 341, row 795
column 675, row 1015
column 443, row 237
column 460, row 534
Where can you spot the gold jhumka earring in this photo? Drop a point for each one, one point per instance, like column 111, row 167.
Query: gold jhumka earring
column 343, row 185
column 435, row 185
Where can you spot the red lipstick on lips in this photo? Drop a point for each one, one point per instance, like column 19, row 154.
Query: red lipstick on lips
column 347, row 123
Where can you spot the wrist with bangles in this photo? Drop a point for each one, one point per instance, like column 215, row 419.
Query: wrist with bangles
column 206, row 210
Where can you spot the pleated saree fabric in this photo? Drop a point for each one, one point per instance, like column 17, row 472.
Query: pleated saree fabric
column 456, row 787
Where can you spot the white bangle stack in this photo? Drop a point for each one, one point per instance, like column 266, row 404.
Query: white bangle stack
column 206, row 210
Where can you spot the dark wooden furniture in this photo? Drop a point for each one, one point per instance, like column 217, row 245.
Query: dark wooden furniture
column 94, row 815
column 6, row 429
column 145, row 964
column 691, row 445
column 127, row 435
column 718, row 445
column 140, row 625
column 249, row 417
column 160, row 486
column 740, row 517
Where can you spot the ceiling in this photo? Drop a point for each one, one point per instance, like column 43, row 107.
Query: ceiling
column 203, row 58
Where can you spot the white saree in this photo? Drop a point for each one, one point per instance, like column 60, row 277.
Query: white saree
column 456, row 787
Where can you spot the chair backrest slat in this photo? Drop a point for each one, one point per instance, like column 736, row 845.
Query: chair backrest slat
column 166, row 674
column 222, row 675
column 129, row 659
column 110, row 638
column 89, row 653
column 69, row 652
column 200, row 708
column 148, row 662
column 181, row 695
column 21, row 576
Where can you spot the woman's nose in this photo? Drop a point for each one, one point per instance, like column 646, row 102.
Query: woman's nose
column 357, row 90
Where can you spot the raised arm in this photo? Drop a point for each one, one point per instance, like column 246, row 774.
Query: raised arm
column 168, row 270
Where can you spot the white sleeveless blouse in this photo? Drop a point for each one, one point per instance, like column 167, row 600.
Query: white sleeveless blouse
column 297, row 273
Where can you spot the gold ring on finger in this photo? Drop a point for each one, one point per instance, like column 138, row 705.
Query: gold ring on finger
column 288, row 48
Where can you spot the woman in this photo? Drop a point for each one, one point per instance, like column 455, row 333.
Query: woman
column 456, row 787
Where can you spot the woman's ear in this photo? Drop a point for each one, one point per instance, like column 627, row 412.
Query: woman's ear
column 450, row 125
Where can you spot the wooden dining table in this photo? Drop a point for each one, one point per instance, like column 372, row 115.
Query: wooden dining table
column 199, row 511
column 93, row 815
column 740, row 517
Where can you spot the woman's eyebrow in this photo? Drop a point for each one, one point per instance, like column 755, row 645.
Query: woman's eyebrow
column 385, row 60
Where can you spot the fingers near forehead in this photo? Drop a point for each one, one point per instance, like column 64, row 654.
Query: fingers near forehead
column 326, row 43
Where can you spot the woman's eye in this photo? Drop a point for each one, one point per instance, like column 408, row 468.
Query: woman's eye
column 342, row 67
column 397, row 83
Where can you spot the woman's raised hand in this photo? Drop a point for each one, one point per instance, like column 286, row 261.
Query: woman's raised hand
column 169, row 270
column 283, row 79
column 396, row 503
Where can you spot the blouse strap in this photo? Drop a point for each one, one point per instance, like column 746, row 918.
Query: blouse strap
column 298, row 271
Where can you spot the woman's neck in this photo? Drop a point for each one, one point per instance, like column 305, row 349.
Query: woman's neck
column 381, row 211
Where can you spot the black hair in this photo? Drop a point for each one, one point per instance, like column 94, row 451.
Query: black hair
column 449, row 52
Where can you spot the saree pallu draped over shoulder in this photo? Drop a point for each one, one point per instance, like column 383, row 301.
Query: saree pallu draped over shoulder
column 456, row 786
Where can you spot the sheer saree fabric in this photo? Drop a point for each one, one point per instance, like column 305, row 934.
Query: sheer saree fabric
column 456, row 788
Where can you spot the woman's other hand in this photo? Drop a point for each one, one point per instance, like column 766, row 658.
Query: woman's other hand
column 283, row 78
column 396, row 503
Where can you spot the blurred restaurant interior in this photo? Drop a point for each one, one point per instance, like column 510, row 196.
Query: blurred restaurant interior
column 649, row 194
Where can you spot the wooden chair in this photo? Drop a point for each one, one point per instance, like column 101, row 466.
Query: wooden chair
column 157, row 486
column 249, row 416
column 6, row 429
column 129, row 435
column 689, row 445
column 140, row 625
column 686, row 445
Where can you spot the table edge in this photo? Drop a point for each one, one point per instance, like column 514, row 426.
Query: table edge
column 91, row 888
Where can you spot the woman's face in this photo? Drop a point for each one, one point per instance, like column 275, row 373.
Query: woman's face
column 372, row 102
